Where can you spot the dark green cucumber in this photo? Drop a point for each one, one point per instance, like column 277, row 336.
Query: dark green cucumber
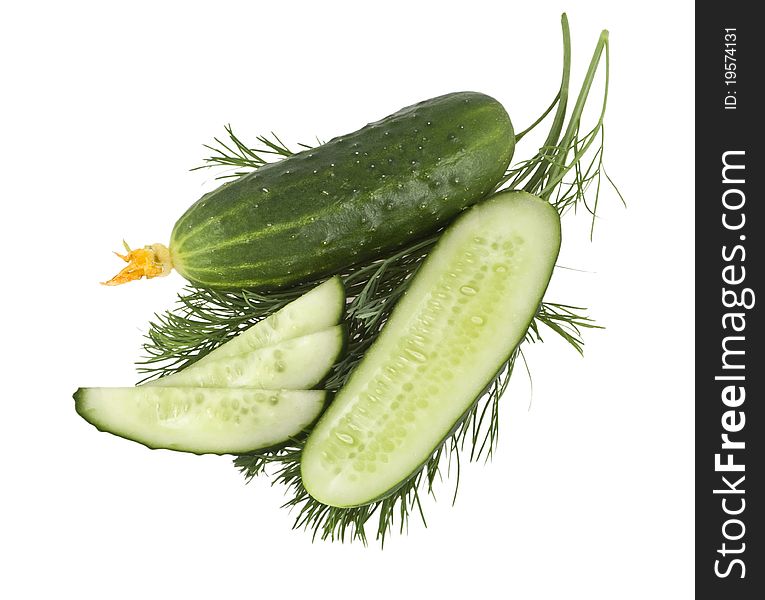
column 356, row 197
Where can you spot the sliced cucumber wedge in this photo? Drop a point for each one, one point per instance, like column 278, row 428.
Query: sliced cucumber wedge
column 465, row 312
column 295, row 364
column 318, row 309
column 200, row 420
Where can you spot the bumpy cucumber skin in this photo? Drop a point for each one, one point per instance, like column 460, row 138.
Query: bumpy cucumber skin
column 79, row 405
column 311, row 443
column 356, row 197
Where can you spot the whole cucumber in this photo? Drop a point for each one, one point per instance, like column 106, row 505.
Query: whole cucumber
column 355, row 198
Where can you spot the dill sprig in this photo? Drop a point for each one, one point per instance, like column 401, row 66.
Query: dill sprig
column 566, row 321
column 203, row 319
column 239, row 158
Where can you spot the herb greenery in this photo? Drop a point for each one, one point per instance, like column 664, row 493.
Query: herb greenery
column 562, row 171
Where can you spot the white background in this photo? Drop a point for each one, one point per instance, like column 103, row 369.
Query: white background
column 103, row 112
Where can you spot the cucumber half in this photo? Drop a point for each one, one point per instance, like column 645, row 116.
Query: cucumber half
column 200, row 420
column 467, row 309
column 318, row 309
column 294, row 364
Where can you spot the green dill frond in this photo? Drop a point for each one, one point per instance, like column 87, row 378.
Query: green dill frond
column 563, row 169
column 564, row 320
column 235, row 154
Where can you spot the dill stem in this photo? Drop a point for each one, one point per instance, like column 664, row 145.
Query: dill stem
column 558, row 168
column 560, row 115
column 519, row 136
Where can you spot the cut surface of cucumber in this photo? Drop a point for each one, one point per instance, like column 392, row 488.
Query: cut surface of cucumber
column 463, row 315
column 295, row 364
column 318, row 309
column 200, row 420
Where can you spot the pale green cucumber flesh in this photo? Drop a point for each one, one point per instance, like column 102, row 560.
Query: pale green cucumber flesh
column 295, row 364
column 466, row 310
column 318, row 309
column 202, row 421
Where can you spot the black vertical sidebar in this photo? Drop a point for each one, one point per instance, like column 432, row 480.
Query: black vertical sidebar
column 730, row 264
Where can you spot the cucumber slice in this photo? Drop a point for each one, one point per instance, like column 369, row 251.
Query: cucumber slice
column 202, row 421
column 465, row 312
column 295, row 364
column 318, row 309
